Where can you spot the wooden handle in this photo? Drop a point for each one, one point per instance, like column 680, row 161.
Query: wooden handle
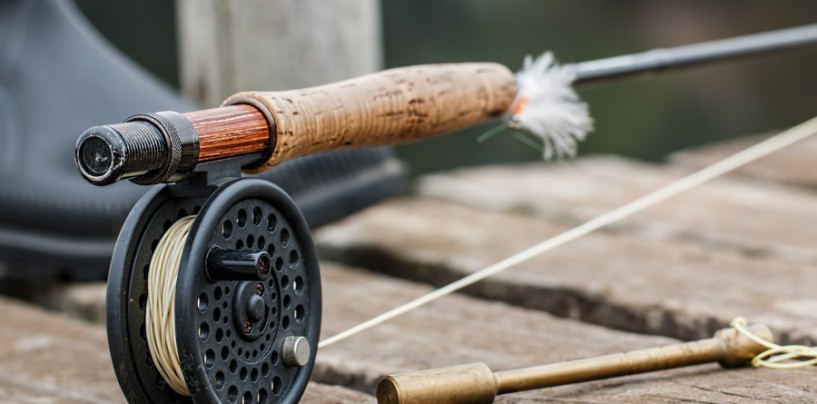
column 390, row 107
column 229, row 131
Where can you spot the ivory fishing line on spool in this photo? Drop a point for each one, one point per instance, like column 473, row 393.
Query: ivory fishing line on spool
column 159, row 314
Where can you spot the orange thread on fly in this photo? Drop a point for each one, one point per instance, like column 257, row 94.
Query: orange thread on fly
column 519, row 106
column 547, row 114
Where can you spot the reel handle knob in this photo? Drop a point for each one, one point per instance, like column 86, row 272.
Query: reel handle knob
column 238, row 265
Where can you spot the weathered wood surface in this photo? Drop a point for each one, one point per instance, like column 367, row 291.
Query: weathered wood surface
column 45, row 357
column 662, row 287
column 324, row 394
column 451, row 331
column 794, row 165
column 458, row 329
column 725, row 214
column 49, row 358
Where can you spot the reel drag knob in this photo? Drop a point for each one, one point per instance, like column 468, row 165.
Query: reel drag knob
column 247, row 297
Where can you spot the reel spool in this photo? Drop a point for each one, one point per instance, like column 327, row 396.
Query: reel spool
column 247, row 298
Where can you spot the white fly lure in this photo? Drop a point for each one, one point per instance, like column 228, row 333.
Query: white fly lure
column 547, row 106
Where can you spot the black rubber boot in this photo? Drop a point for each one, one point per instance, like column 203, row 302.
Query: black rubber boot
column 57, row 78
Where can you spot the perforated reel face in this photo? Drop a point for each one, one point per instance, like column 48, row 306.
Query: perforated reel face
column 231, row 348
column 241, row 354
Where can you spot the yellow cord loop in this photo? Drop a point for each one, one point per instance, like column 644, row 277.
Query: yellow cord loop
column 160, row 313
column 777, row 356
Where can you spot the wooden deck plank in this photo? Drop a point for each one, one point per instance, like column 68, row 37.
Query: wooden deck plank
column 84, row 300
column 49, row 358
column 325, row 394
column 793, row 165
column 454, row 330
column 757, row 219
column 459, row 329
column 700, row 384
column 659, row 287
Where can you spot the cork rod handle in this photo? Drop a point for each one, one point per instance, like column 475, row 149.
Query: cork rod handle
column 390, row 107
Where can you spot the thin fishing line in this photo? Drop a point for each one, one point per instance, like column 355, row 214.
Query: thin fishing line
column 527, row 141
column 691, row 181
column 492, row 132
column 160, row 313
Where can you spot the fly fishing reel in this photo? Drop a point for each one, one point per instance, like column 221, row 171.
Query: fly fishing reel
column 214, row 293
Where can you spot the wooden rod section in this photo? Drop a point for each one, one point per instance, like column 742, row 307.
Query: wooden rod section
column 229, row 131
column 167, row 146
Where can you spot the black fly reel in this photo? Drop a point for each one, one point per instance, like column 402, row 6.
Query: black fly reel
column 247, row 298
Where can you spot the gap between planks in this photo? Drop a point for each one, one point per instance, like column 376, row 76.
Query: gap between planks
column 682, row 290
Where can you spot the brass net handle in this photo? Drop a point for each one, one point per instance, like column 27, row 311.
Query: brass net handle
column 390, row 107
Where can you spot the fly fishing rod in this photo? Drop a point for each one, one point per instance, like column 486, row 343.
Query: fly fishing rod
column 214, row 290
column 391, row 107
column 659, row 60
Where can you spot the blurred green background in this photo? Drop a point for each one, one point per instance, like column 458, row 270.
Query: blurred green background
column 645, row 118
